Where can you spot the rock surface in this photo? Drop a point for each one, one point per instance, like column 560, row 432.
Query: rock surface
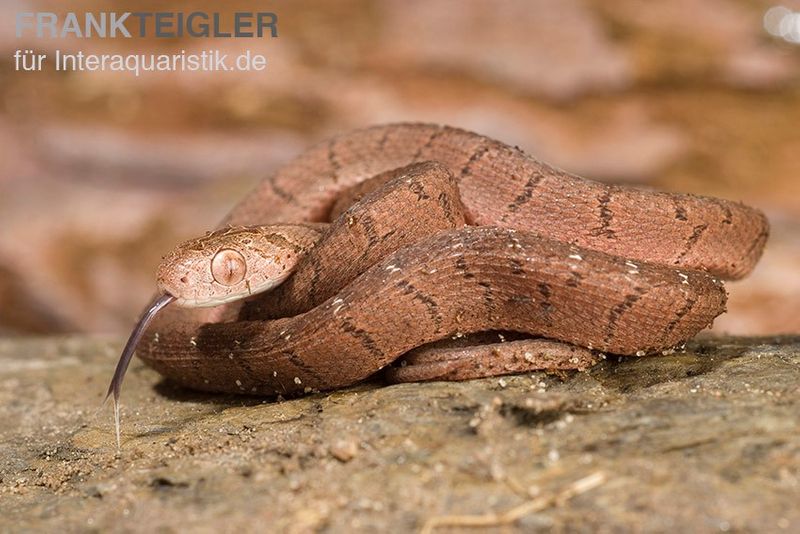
column 707, row 440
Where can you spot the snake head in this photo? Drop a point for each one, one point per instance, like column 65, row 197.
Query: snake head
column 226, row 265
column 223, row 266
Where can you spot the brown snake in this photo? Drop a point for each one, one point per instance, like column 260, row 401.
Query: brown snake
column 575, row 265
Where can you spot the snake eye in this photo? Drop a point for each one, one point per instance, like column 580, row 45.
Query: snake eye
column 228, row 267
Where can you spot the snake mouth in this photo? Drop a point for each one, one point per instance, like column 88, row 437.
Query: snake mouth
column 130, row 348
column 210, row 302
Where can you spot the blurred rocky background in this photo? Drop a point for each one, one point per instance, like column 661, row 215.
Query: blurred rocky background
column 102, row 173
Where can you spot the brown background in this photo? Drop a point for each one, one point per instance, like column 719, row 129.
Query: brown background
column 101, row 173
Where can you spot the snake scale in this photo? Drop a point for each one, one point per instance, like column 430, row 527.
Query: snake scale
column 436, row 236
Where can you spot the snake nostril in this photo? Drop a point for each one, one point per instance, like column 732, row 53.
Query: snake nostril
column 184, row 279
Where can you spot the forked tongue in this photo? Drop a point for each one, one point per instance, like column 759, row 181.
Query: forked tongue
column 127, row 353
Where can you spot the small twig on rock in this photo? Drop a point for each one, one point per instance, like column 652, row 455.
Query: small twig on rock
column 506, row 518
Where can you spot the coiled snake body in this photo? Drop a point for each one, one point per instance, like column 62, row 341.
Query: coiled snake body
column 438, row 233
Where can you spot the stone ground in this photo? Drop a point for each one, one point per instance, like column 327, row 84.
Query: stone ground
column 707, row 440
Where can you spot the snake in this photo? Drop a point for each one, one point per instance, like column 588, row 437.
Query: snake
column 435, row 253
